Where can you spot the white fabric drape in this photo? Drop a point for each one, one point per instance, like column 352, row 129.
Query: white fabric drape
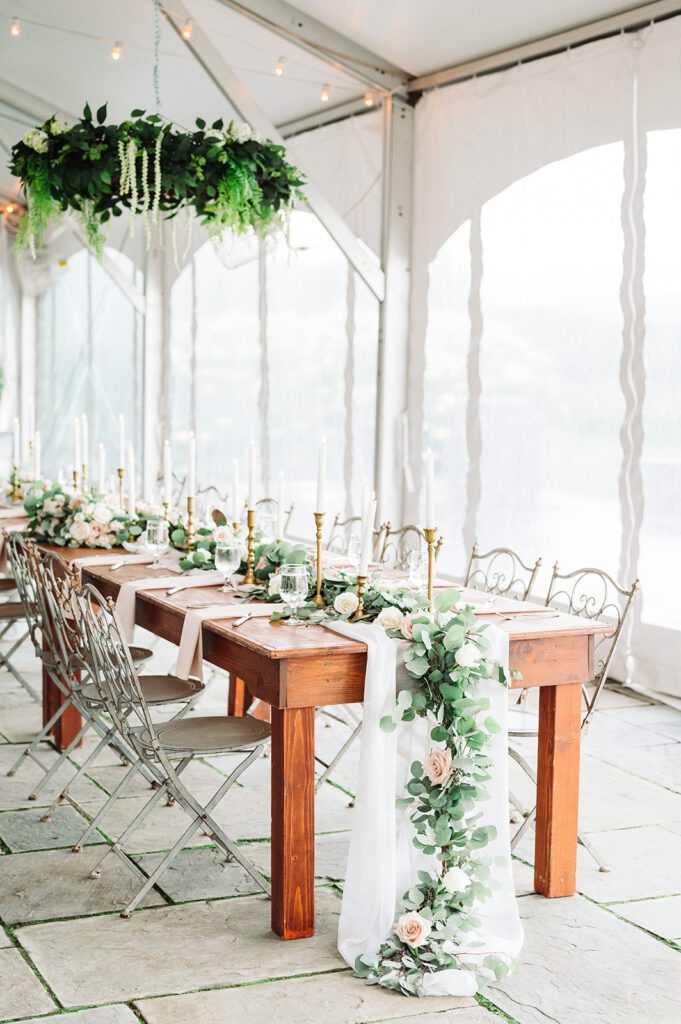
column 383, row 862
column 537, row 283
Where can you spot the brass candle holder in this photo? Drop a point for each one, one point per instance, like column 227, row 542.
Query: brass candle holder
column 235, row 528
column 76, row 479
column 84, row 476
column 430, row 533
column 319, row 525
column 190, row 522
column 121, row 486
column 361, row 584
column 166, row 508
column 249, row 578
column 15, row 483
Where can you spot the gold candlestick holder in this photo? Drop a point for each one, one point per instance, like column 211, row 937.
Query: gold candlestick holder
column 166, row 508
column 430, row 533
column 121, row 486
column 15, row 483
column 235, row 528
column 84, row 476
column 319, row 524
column 31, row 462
column 76, row 479
column 190, row 522
column 249, row 578
column 361, row 584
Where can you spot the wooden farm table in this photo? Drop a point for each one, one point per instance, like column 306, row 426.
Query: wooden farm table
column 296, row 669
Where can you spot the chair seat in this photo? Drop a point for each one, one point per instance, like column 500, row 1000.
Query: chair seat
column 156, row 689
column 522, row 722
column 209, row 734
column 12, row 610
column 140, row 654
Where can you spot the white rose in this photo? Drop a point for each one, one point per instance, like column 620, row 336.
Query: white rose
column 242, row 132
column 50, row 507
column 212, row 133
column 413, row 929
column 346, row 603
column 59, row 127
column 102, row 514
column 80, row 530
column 390, row 618
column 274, row 585
column 36, row 139
column 456, row 880
column 467, row 656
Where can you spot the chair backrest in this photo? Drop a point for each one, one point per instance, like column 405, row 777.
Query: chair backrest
column 398, row 544
column 58, row 585
column 344, row 531
column 22, row 558
column 270, row 507
column 500, row 571
column 593, row 594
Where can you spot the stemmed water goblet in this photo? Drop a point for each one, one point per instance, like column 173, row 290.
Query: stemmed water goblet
column 227, row 559
column 157, row 540
column 295, row 583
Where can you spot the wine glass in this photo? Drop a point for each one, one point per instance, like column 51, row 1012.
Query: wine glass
column 417, row 563
column 295, row 583
column 354, row 549
column 227, row 558
column 157, row 540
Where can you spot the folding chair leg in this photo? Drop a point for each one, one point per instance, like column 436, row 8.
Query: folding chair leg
column 583, row 841
column 64, row 795
column 29, row 751
column 332, row 764
column 20, row 678
column 103, row 811
column 60, row 760
column 523, row 828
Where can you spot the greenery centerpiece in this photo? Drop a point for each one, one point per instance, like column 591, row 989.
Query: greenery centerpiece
column 230, row 177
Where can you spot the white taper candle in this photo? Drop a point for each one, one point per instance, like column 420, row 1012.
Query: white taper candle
column 167, row 473
column 36, row 455
column 236, row 511
column 281, row 499
column 121, row 441
column 16, row 445
column 132, row 497
column 191, row 479
column 252, row 468
column 367, row 538
column 321, row 477
column 101, row 483
column 77, row 460
column 84, row 440
column 430, row 490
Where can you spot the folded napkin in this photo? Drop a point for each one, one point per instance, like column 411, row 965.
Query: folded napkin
column 12, row 513
column 190, row 655
column 112, row 558
column 125, row 603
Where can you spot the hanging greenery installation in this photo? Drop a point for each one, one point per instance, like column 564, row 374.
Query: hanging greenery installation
column 231, row 178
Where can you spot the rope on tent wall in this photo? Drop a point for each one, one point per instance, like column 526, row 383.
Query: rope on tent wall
column 157, row 48
column 473, row 431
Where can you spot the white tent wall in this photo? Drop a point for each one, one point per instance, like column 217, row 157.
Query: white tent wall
column 545, row 319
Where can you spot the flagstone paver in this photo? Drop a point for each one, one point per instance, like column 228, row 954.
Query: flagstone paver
column 201, row 779
column 99, row 1015
column 56, row 883
column 16, row 789
column 661, row 916
column 20, row 991
column 176, row 949
column 660, row 764
column 23, row 830
column 581, row 965
column 4, row 939
column 201, row 874
column 332, row 999
column 331, row 856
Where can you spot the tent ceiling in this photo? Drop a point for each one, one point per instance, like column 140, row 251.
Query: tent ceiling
column 63, row 55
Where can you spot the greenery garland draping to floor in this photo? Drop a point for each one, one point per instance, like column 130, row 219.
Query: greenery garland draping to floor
column 229, row 176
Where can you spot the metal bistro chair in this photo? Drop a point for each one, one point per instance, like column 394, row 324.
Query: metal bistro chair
column 346, row 531
column 591, row 594
column 12, row 612
column 500, row 571
column 399, row 545
column 43, row 582
column 268, row 507
column 159, row 746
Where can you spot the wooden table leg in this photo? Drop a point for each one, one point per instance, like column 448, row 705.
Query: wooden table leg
column 239, row 699
column 555, row 864
column 293, row 822
column 70, row 722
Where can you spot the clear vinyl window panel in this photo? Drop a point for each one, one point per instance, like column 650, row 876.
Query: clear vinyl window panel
column 551, row 406
column 89, row 359
column 660, row 541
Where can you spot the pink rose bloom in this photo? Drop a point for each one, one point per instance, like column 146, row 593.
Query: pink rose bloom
column 413, row 929
column 262, row 564
column 438, row 767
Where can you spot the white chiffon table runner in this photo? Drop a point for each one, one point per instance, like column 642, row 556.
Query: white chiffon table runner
column 383, row 862
column 190, row 654
column 127, row 595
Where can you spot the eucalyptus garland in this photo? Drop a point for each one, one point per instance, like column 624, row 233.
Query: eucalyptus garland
column 446, row 658
column 227, row 174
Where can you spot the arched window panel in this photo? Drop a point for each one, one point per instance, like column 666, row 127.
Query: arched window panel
column 215, row 360
column 89, row 359
column 307, row 339
column 550, row 406
column 448, row 336
column 660, row 540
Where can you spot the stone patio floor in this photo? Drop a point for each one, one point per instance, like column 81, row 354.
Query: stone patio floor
column 200, row 949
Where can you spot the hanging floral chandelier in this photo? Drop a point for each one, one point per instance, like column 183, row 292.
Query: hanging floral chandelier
column 229, row 177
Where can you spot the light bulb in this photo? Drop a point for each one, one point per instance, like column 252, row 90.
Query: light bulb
column 9, row 208
column 116, row 51
column 16, row 27
column 368, row 99
column 324, row 96
column 187, row 29
column 279, row 67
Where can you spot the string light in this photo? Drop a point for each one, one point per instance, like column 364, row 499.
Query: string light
column 187, row 29
column 279, row 67
column 324, row 96
column 9, row 208
column 116, row 51
column 368, row 99
column 16, row 27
